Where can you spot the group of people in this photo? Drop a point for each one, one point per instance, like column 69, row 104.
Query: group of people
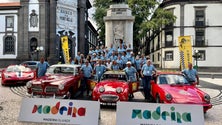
column 101, row 59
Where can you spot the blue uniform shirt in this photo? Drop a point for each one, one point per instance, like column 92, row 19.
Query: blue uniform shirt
column 100, row 69
column 42, row 68
column 87, row 70
column 190, row 74
column 138, row 64
column 131, row 73
column 148, row 70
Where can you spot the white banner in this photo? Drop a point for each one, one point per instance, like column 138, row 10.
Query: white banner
column 129, row 113
column 59, row 111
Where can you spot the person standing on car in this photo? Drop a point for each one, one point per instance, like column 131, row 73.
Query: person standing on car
column 146, row 74
column 99, row 69
column 191, row 74
column 41, row 67
column 87, row 72
column 131, row 72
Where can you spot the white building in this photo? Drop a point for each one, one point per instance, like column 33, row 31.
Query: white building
column 200, row 19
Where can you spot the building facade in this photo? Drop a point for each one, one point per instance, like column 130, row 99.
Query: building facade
column 199, row 19
column 33, row 28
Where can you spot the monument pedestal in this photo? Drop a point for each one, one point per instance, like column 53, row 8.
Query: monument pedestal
column 119, row 25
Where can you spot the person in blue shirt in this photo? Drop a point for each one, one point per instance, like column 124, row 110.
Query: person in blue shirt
column 124, row 59
column 131, row 72
column 78, row 56
column 115, row 66
column 113, row 56
column 191, row 74
column 119, row 62
column 99, row 69
column 138, row 64
column 146, row 74
column 87, row 72
column 42, row 67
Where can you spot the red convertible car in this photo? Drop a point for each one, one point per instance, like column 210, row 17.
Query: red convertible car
column 174, row 88
column 17, row 74
column 60, row 81
column 113, row 87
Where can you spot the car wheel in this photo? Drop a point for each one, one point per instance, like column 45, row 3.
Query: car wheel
column 158, row 99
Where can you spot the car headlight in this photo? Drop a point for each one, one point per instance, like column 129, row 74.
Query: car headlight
column 101, row 89
column 7, row 76
column 29, row 84
column 206, row 97
column 119, row 90
column 168, row 97
column 31, row 75
column 61, row 86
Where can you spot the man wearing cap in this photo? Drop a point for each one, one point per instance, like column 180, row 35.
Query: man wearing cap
column 131, row 72
column 146, row 74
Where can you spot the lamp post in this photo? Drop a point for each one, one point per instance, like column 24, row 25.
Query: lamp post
column 196, row 56
column 38, row 49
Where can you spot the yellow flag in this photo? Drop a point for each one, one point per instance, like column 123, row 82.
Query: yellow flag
column 185, row 50
column 65, row 48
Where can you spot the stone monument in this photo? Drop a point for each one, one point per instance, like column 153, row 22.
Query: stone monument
column 119, row 24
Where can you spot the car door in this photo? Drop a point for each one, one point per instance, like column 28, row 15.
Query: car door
column 133, row 86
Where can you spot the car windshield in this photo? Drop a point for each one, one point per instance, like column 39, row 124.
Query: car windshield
column 18, row 68
column 114, row 76
column 171, row 79
column 60, row 70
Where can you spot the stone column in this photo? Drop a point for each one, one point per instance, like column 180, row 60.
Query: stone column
column 119, row 25
column 52, row 33
column 81, row 25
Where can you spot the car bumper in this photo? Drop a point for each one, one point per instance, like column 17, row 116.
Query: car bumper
column 46, row 96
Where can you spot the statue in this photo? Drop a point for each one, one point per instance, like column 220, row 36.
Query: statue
column 33, row 19
column 118, row 1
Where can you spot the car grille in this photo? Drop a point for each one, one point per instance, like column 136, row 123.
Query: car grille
column 109, row 98
column 37, row 89
column 51, row 89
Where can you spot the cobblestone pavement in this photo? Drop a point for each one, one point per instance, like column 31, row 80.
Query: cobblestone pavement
column 10, row 106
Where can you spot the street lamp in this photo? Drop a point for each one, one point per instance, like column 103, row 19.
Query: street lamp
column 196, row 56
column 39, row 49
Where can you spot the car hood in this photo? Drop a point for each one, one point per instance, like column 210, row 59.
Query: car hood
column 52, row 79
column 111, row 85
column 19, row 74
column 183, row 93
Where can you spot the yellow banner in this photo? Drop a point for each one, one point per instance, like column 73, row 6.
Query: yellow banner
column 65, row 48
column 185, row 49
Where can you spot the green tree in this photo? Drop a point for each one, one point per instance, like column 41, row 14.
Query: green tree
column 100, row 12
column 147, row 17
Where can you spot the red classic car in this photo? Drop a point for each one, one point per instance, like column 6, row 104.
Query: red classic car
column 60, row 81
column 17, row 74
column 112, row 87
column 174, row 88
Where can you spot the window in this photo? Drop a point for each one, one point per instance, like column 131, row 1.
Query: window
column 202, row 54
column 9, row 45
column 33, row 44
column 169, row 38
column 200, row 17
column 168, row 55
column 9, row 21
column 200, row 37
